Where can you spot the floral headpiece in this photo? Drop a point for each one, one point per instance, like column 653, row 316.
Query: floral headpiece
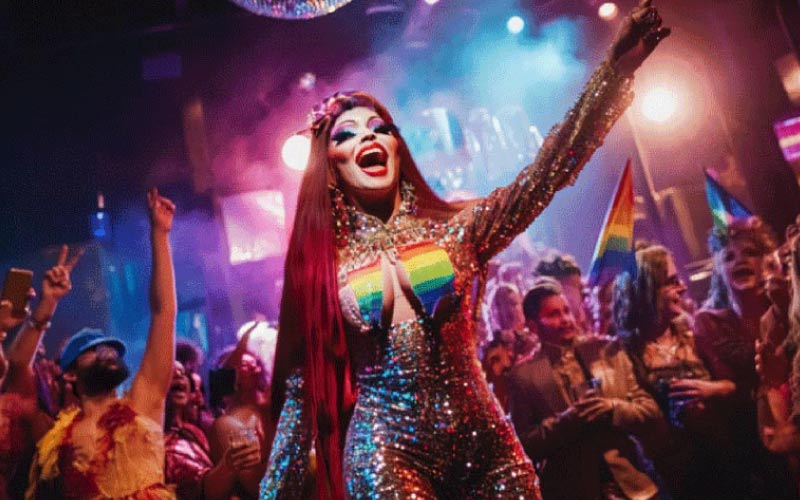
column 336, row 104
column 752, row 227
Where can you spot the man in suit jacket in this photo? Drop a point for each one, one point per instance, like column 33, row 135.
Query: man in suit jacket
column 575, row 403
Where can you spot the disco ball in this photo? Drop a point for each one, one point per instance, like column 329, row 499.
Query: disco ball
column 291, row 9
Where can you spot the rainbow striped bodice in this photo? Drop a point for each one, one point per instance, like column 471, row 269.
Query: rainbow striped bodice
column 428, row 268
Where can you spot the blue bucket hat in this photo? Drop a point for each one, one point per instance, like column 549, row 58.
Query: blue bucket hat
column 84, row 340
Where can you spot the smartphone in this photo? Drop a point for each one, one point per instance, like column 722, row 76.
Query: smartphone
column 16, row 288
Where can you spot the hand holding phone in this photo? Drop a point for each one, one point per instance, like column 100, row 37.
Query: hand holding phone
column 16, row 289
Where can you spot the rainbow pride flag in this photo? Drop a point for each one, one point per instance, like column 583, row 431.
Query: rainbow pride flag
column 613, row 252
column 724, row 207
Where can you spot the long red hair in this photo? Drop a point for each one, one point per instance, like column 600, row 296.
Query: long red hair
column 311, row 334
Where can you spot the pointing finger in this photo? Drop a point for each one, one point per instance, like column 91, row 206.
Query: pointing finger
column 62, row 256
column 152, row 197
column 70, row 265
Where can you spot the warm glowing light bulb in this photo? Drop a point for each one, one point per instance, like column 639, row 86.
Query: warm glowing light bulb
column 431, row 2
column 295, row 152
column 608, row 11
column 659, row 104
column 515, row 25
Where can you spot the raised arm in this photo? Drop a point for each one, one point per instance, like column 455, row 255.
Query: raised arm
column 235, row 357
column 151, row 383
column 492, row 223
column 55, row 286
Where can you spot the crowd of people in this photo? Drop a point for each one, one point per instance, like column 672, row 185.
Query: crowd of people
column 66, row 432
column 377, row 390
column 659, row 401
column 662, row 401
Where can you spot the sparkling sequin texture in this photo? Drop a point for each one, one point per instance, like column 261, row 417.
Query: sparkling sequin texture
column 291, row 9
column 425, row 424
column 288, row 460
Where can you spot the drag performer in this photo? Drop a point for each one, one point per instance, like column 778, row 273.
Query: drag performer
column 377, row 313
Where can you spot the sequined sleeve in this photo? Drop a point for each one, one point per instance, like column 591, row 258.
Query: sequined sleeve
column 288, row 460
column 493, row 222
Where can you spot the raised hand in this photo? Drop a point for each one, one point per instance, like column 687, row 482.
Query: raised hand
column 778, row 292
column 772, row 365
column 57, row 282
column 162, row 211
column 640, row 34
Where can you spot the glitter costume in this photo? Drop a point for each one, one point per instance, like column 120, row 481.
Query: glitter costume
column 128, row 463
column 425, row 424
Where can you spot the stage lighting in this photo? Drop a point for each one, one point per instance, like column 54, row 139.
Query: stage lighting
column 431, row 2
column 608, row 11
column 788, row 133
column 659, row 104
column 788, row 68
column 99, row 222
column 255, row 225
column 515, row 25
column 295, row 152
column 700, row 275
column 307, row 81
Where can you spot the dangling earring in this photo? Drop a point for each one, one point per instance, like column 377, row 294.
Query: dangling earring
column 341, row 218
column 407, row 196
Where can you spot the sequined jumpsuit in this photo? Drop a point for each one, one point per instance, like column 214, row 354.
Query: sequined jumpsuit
column 425, row 424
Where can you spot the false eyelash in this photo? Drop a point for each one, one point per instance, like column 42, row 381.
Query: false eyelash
column 386, row 128
column 340, row 137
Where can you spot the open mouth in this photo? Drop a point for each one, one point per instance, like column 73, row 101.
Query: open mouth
column 743, row 273
column 179, row 387
column 372, row 159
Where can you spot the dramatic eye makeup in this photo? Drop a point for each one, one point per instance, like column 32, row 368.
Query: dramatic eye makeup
column 349, row 129
column 343, row 133
column 379, row 126
column 385, row 128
